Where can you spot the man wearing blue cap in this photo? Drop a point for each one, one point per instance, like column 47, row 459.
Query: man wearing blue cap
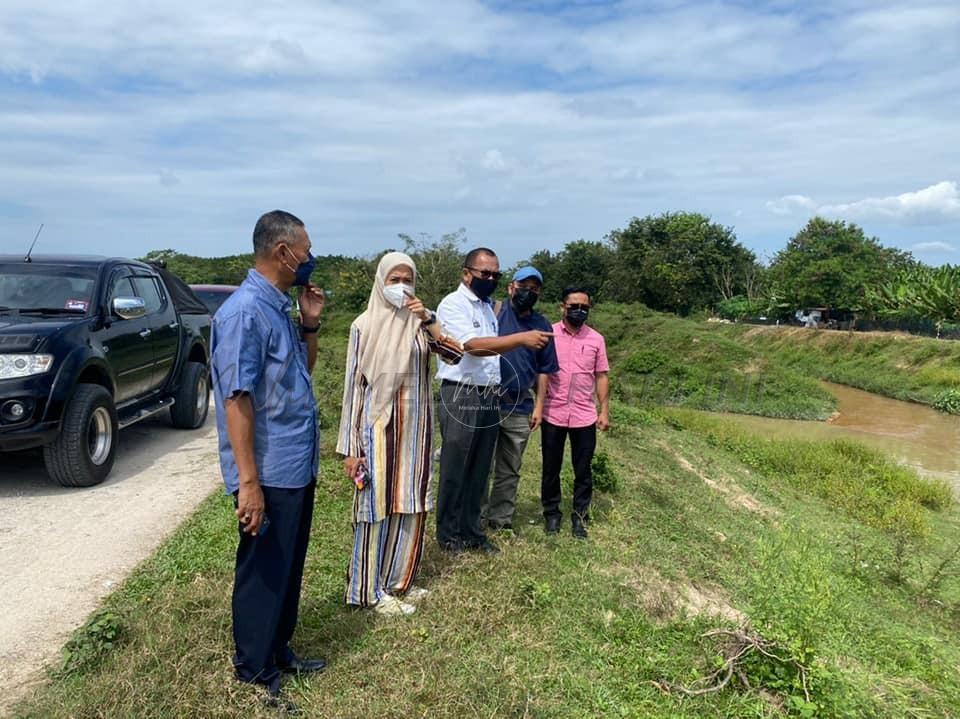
column 522, row 370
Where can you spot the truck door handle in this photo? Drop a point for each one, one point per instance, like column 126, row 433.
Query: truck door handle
column 146, row 333
column 173, row 325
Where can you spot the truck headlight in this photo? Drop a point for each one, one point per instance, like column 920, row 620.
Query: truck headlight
column 24, row 365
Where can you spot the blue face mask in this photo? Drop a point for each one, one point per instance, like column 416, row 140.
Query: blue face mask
column 303, row 271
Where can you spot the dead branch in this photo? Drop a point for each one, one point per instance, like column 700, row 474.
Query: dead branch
column 736, row 645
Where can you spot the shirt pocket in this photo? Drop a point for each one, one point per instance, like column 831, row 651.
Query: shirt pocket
column 584, row 359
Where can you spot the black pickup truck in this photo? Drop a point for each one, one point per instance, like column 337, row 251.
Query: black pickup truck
column 89, row 345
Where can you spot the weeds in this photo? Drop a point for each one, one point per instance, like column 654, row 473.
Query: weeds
column 948, row 401
column 853, row 478
column 102, row 633
column 605, row 477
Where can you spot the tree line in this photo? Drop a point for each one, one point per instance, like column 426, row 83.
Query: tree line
column 680, row 262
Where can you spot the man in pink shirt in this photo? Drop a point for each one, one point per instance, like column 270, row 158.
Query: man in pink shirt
column 571, row 409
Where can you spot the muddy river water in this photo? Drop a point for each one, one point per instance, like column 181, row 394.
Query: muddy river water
column 914, row 434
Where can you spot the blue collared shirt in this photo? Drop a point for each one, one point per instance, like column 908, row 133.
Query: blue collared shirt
column 256, row 349
column 519, row 367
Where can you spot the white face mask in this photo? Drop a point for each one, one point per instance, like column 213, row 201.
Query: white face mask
column 396, row 294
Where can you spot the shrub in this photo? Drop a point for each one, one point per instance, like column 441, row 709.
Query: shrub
column 90, row 644
column 645, row 361
column 948, row 401
column 605, row 478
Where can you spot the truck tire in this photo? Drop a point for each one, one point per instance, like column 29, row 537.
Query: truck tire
column 192, row 398
column 82, row 454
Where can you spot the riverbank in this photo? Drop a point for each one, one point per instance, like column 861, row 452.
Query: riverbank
column 663, row 359
column 915, row 369
column 709, row 529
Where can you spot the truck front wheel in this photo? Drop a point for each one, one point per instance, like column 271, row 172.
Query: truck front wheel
column 82, row 454
column 193, row 397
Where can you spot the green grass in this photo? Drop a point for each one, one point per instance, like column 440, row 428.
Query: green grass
column 848, row 476
column 916, row 369
column 662, row 359
column 556, row 628
column 842, row 559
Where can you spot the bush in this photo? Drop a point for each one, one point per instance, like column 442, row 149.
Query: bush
column 796, row 601
column 605, row 479
column 92, row 642
column 644, row 361
column 948, row 401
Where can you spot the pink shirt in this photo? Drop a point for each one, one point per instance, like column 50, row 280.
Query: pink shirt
column 570, row 394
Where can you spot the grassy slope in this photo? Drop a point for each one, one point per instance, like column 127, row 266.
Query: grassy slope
column 895, row 365
column 661, row 358
column 557, row 628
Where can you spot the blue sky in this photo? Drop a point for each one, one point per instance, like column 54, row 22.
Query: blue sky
column 126, row 127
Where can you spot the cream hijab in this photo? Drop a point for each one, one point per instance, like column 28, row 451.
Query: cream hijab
column 386, row 339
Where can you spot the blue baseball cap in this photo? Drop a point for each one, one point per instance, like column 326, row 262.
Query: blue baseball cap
column 525, row 273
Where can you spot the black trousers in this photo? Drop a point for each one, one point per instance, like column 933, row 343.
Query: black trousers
column 469, row 424
column 266, row 588
column 583, row 442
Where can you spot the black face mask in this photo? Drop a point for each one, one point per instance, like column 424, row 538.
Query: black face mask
column 524, row 299
column 482, row 288
column 577, row 317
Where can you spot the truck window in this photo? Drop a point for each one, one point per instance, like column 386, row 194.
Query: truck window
column 35, row 285
column 120, row 287
column 149, row 291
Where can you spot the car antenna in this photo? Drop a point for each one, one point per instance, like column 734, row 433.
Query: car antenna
column 33, row 244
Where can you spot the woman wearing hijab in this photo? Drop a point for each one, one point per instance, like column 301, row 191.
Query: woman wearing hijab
column 386, row 436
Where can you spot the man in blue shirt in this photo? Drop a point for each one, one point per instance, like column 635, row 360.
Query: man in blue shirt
column 267, row 425
column 521, row 370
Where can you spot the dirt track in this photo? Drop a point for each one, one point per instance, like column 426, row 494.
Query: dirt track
column 62, row 550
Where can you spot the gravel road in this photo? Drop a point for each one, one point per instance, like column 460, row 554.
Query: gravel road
column 63, row 550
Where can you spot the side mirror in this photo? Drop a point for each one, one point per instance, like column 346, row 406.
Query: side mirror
column 129, row 308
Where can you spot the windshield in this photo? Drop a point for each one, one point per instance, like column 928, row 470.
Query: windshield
column 55, row 289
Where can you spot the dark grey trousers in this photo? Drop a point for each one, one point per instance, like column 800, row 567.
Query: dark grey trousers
column 469, row 418
column 512, row 440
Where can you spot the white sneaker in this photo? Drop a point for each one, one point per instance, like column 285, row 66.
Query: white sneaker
column 390, row 606
column 415, row 594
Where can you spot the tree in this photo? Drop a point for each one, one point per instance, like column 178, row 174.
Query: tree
column 924, row 293
column 831, row 263
column 580, row 263
column 439, row 263
column 677, row 261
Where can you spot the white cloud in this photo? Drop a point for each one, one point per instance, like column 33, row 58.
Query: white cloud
column 427, row 115
column 788, row 204
column 493, row 161
column 933, row 247
column 936, row 203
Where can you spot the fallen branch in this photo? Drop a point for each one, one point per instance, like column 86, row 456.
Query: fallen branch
column 737, row 645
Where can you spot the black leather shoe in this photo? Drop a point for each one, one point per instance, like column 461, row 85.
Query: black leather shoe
column 304, row 666
column 551, row 524
column 579, row 531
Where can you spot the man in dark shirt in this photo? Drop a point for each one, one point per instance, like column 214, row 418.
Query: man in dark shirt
column 521, row 371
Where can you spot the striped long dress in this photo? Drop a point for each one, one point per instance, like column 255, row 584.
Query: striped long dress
column 389, row 513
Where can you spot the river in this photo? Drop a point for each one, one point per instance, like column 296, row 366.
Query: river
column 914, row 434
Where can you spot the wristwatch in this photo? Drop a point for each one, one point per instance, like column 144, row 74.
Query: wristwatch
column 433, row 318
column 309, row 330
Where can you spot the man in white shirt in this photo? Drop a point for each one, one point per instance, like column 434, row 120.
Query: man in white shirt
column 469, row 401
